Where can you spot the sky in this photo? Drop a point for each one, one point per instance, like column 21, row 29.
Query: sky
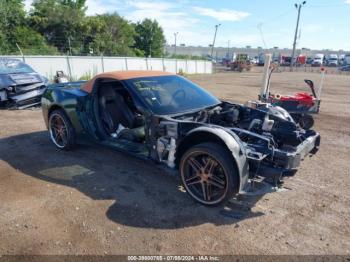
column 324, row 24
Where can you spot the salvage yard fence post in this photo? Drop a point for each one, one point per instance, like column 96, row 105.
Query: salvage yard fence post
column 102, row 64
column 69, row 67
column 126, row 63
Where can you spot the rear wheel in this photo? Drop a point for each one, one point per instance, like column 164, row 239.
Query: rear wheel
column 61, row 130
column 208, row 174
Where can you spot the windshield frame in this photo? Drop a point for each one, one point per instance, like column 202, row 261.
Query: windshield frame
column 129, row 84
column 19, row 65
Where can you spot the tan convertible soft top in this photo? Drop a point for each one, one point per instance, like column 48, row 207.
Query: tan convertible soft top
column 122, row 75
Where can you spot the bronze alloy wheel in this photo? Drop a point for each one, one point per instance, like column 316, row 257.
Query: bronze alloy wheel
column 58, row 130
column 205, row 176
column 61, row 130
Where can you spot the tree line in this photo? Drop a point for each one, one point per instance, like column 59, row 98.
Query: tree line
column 56, row 27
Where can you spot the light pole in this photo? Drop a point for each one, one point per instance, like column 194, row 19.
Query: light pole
column 298, row 7
column 175, row 34
column 212, row 46
column 228, row 49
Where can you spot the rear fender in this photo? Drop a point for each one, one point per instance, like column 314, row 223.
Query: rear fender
column 60, row 97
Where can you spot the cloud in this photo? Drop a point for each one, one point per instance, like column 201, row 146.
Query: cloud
column 178, row 17
column 173, row 17
column 27, row 5
column 95, row 7
column 347, row 1
column 148, row 5
column 169, row 15
column 222, row 14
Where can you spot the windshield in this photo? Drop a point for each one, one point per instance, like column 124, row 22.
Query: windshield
column 165, row 95
column 13, row 66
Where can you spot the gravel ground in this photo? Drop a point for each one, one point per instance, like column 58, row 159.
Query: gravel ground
column 96, row 201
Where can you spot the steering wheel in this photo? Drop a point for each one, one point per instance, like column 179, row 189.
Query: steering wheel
column 151, row 97
column 179, row 92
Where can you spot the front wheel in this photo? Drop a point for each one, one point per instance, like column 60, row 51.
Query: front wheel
column 61, row 130
column 208, row 174
column 305, row 121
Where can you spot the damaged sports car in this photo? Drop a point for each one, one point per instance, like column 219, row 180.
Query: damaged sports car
column 20, row 85
column 216, row 146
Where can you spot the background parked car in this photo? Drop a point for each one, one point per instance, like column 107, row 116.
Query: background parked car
column 332, row 60
column 309, row 60
column 285, row 60
column 20, row 85
column 318, row 60
column 347, row 59
column 345, row 68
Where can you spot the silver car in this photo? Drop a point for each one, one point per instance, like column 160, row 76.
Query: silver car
column 20, row 85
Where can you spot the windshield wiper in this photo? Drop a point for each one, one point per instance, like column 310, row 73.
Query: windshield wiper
column 15, row 73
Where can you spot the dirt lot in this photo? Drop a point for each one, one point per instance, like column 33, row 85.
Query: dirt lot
column 96, row 201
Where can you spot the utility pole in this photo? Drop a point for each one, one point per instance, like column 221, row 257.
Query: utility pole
column 212, row 46
column 298, row 7
column 228, row 49
column 150, row 42
column 20, row 50
column 70, row 47
column 259, row 26
column 175, row 34
column 150, row 49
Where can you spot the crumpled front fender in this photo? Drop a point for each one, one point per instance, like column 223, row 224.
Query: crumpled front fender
column 232, row 142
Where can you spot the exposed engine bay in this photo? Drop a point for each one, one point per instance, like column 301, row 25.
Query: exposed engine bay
column 272, row 141
column 261, row 119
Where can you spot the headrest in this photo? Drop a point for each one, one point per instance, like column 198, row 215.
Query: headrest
column 107, row 92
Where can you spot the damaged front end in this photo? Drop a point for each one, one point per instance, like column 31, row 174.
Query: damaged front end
column 272, row 142
column 20, row 86
column 22, row 91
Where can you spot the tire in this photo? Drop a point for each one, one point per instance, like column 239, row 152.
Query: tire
column 208, row 174
column 61, row 130
column 306, row 121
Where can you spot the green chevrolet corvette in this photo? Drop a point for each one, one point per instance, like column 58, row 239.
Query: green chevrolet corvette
column 216, row 146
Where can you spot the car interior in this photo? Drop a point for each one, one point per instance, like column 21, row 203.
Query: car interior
column 117, row 114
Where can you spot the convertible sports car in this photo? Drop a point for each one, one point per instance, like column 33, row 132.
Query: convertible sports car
column 20, row 85
column 217, row 146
